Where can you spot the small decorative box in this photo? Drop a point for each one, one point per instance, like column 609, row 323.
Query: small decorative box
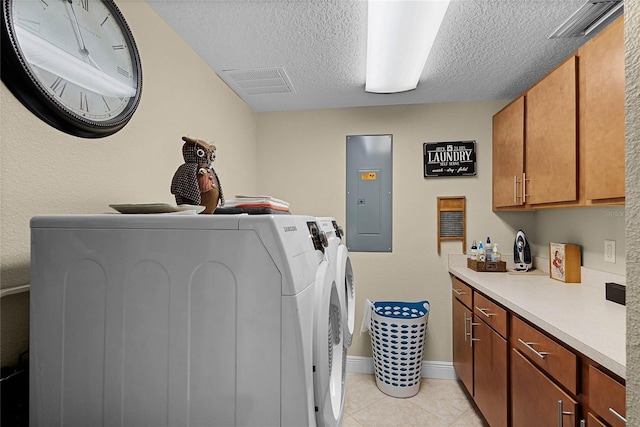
column 487, row 266
column 564, row 262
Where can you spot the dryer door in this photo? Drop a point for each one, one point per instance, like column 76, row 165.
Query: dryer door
column 328, row 350
column 346, row 285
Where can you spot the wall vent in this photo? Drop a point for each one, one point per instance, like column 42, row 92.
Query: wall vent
column 260, row 81
column 589, row 18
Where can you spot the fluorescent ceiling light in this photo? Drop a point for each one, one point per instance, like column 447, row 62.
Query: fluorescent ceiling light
column 400, row 36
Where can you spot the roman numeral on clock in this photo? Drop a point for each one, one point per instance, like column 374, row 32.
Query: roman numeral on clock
column 106, row 105
column 58, row 86
column 84, row 104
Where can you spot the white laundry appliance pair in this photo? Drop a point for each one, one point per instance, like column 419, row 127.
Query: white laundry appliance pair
column 185, row 320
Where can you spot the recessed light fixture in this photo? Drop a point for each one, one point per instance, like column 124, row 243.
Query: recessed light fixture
column 400, row 36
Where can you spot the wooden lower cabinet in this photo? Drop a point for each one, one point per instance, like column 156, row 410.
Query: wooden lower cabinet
column 536, row 400
column 517, row 373
column 490, row 373
column 462, row 350
column 607, row 397
column 592, row 421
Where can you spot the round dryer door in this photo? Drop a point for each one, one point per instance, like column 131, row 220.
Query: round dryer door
column 328, row 350
column 344, row 276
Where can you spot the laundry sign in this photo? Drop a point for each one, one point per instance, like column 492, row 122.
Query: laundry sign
column 455, row 158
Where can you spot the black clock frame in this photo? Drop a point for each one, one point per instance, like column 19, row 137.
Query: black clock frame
column 20, row 80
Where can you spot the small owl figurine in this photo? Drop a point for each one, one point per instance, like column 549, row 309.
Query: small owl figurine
column 196, row 182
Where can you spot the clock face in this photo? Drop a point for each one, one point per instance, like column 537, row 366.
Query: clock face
column 80, row 58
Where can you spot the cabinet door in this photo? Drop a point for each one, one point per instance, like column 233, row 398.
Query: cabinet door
column 602, row 63
column 535, row 398
column 551, row 137
column 490, row 373
column 462, row 350
column 508, row 155
column 607, row 397
column 593, row 421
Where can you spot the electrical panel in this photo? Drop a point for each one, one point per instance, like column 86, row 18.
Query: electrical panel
column 369, row 193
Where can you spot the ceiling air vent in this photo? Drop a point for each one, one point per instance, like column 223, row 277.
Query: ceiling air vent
column 260, row 81
column 592, row 16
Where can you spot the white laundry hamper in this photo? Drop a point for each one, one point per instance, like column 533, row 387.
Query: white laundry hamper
column 397, row 338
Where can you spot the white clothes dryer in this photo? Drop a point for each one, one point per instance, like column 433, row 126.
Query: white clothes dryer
column 341, row 263
column 183, row 320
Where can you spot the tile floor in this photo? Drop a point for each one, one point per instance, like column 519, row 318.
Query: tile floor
column 439, row 403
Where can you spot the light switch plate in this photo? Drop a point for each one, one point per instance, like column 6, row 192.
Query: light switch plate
column 610, row 251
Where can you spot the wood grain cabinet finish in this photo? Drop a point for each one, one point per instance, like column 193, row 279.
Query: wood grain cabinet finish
column 462, row 344
column 607, row 397
column 546, row 353
column 490, row 313
column 601, row 69
column 462, row 291
column 551, row 144
column 508, row 155
column 536, row 400
column 562, row 142
column 592, row 421
column 490, row 372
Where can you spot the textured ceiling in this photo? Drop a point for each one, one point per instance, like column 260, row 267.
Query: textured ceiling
column 485, row 50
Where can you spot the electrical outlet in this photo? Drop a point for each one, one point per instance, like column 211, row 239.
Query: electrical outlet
column 610, row 251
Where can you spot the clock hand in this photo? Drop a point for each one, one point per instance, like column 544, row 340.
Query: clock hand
column 76, row 28
column 83, row 47
column 43, row 54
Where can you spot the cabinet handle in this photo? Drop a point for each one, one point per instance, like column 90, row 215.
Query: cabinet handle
column 561, row 413
column 465, row 326
column 484, row 311
column 515, row 190
column 583, row 423
column 620, row 417
column 540, row 354
column 524, row 188
column 471, row 338
column 458, row 292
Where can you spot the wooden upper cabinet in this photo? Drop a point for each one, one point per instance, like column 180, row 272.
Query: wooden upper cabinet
column 508, row 155
column 551, row 160
column 601, row 67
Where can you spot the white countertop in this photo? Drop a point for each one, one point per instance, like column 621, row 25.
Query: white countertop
column 576, row 313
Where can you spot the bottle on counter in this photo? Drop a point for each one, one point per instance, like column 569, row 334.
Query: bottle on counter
column 474, row 251
column 495, row 255
column 488, row 248
column 482, row 255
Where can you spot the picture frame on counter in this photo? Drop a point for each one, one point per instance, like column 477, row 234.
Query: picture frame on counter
column 564, row 262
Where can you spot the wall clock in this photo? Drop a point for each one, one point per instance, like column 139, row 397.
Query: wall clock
column 73, row 63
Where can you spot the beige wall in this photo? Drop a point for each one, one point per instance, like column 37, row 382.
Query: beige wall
column 46, row 171
column 302, row 160
column 632, row 214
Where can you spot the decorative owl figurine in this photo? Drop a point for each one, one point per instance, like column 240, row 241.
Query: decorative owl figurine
column 196, row 182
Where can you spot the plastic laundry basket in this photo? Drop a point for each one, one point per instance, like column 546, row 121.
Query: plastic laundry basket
column 397, row 337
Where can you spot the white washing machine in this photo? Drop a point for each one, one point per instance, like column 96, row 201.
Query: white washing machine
column 340, row 261
column 183, row 320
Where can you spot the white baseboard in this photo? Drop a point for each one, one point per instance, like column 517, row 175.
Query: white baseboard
column 430, row 369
